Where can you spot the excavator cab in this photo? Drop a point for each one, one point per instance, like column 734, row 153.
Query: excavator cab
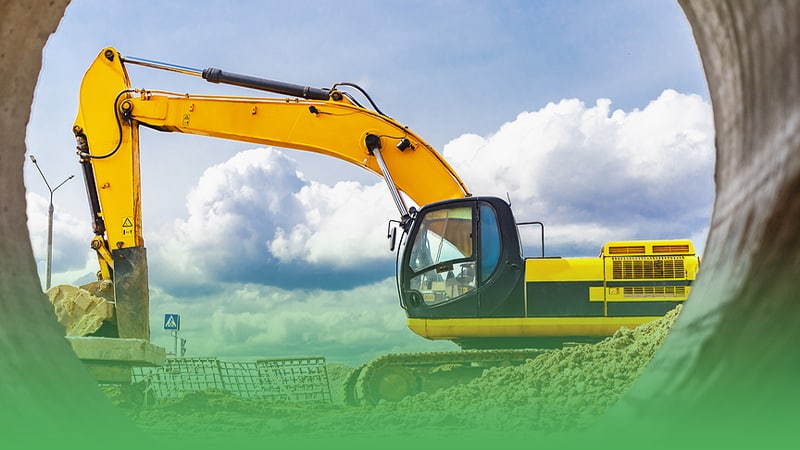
column 462, row 258
column 462, row 277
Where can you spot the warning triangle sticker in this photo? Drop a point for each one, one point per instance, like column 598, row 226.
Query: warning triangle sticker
column 127, row 222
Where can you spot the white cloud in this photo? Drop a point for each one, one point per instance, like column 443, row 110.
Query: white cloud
column 593, row 174
column 343, row 226
column 256, row 218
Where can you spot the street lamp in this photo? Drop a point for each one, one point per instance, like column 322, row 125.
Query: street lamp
column 49, row 219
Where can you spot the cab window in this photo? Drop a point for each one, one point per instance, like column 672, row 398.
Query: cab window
column 442, row 256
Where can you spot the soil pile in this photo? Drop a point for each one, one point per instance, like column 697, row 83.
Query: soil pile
column 79, row 310
column 561, row 390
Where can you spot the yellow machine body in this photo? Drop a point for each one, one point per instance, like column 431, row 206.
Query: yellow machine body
column 628, row 284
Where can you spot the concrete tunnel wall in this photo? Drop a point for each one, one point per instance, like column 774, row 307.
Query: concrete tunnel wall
column 41, row 381
column 733, row 353
column 733, row 346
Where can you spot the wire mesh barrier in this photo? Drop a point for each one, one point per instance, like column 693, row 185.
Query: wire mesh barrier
column 277, row 379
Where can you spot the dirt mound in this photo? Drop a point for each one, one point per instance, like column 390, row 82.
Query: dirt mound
column 560, row 390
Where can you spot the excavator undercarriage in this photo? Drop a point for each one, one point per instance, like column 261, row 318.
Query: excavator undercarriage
column 393, row 377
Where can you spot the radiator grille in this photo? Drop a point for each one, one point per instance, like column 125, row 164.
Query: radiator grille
column 679, row 248
column 654, row 291
column 626, row 249
column 647, row 268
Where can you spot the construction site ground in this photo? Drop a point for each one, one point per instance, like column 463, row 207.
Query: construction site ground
column 559, row 392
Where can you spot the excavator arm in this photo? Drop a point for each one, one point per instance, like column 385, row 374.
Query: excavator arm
column 325, row 121
column 110, row 112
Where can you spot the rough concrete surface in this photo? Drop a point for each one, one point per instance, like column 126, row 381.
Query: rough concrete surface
column 44, row 388
column 735, row 343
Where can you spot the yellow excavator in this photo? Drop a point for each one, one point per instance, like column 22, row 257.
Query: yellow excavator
column 461, row 274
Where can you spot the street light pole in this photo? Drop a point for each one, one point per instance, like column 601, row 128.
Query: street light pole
column 49, row 219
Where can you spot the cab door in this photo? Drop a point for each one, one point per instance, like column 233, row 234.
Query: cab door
column 501, row 274
column 439, row 272
column 462, row 259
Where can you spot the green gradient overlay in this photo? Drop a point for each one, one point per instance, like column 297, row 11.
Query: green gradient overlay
column 446, row 419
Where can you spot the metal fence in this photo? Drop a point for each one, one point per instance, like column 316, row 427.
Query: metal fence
column 277, row 379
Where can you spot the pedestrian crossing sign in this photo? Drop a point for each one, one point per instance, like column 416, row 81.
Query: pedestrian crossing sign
column 172, row 322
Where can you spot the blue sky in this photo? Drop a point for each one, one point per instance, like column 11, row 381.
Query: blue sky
column 592, row 116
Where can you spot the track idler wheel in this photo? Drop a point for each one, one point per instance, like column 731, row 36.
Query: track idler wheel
column 350, row 395
column 388, row 383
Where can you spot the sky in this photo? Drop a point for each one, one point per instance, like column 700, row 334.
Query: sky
column 592, row 117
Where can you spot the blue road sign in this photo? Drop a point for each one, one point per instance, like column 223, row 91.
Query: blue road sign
column 172, row 322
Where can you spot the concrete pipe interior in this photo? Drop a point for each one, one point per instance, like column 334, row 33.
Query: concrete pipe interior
column 730, row 359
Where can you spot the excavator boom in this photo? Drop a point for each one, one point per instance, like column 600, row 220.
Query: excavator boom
column 110, row 112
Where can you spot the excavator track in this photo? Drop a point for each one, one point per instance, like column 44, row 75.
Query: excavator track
column 395, row 376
